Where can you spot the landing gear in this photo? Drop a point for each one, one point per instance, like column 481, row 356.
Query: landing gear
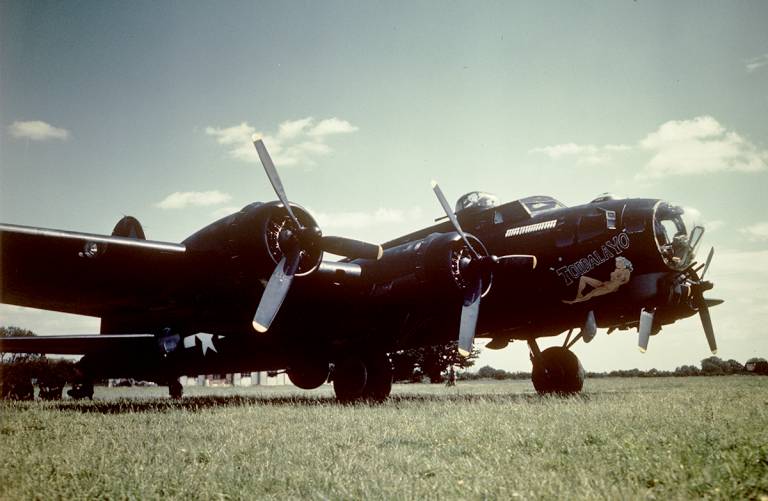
column 175, row 389
column 308, row 374
column 349, row 378
column 81, row 390
column 363, row 378
column 556, row 370
column 378, row 385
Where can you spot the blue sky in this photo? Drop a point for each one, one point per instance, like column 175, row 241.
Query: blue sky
column 111, row 108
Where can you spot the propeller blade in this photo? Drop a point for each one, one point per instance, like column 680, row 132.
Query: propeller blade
column 517, row 262
column 706, row 321
column 469, row 313
column 274, row 178
column 706, row 265
column 351, row 248
column 644, row 329
column 275, row 292
column 448, row 212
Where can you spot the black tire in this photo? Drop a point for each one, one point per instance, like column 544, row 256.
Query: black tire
column 378, row 385
column 51, row 392
column 558, row 371
column 81, row 391
column 309, row 374
column 349, row 378
column 175, row 389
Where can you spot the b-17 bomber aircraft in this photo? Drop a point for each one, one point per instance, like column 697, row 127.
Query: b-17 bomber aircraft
column 251, row 291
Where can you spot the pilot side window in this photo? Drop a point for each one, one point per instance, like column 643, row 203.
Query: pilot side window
column 591, row 227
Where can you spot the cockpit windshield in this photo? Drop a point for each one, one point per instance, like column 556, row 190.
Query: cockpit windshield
column 537, row 204
column 476, row 200
column 677, row 246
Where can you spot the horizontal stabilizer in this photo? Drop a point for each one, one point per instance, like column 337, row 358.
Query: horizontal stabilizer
column 75, row 344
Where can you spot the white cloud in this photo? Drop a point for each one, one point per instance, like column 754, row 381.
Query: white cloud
column 332, row 126
column 180, row 200
column 697, row 146
column 714, row 225
column 583, row 154
column 36, row 130
column 296, row 142
column 692, row 217
column 292, row 128
column 758, row 232
column 361, row 219
column 677, row 147
column 756, row 63
column 232, row 135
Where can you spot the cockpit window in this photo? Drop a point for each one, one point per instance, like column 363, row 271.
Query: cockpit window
column 537, row 204
column 476, row 200
column 677, row 247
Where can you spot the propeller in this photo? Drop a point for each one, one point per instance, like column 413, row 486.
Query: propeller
column 295, row 242
column 475, row 267
column 698, row 287
column 644, row 329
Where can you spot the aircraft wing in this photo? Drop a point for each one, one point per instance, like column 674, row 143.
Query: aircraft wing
column 76, row 344
column 83, row 273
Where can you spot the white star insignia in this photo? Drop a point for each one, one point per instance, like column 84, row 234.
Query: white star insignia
column 206, row 342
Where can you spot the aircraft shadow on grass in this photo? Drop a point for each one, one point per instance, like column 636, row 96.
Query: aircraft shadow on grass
column 123, row 406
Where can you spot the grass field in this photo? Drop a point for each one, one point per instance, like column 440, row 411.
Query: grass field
column 660, row 438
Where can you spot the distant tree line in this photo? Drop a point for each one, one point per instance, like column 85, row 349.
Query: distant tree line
column 19, row 372
column 712, row 366
column 434, row 364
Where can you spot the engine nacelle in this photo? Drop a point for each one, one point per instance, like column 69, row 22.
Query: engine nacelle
column 434, row 266
column 254, row 238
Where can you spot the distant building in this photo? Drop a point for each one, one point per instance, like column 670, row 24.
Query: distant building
column 261, row 378
column 759, row 367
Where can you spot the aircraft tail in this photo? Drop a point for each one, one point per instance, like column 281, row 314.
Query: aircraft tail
column 129, row 227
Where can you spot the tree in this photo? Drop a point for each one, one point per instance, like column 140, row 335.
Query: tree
column 18, row 370
column 10, row 358
column 687, row 370
column 713, row 366
column 429, row 361
column 734, row 367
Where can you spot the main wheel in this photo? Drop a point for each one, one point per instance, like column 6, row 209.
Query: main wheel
column 175, row 389
column 308, row 374
column 81, row 390
column 378, row 385
column 559, row 371
column 349, row 378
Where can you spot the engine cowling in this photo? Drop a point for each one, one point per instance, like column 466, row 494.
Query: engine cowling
column 254, row 238
column 434, row 266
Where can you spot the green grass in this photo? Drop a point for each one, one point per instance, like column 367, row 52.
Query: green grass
column 662, row 438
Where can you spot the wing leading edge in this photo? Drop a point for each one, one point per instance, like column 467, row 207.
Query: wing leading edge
column 83, row 273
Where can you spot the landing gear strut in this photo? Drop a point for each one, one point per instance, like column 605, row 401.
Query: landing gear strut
column 556, row 370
